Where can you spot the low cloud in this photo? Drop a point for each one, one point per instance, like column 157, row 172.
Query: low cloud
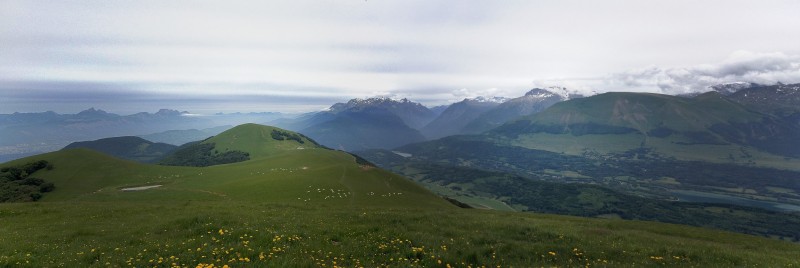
column 741, row 66
column 463, row 93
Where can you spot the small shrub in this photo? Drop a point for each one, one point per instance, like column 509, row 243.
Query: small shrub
column 47, row 187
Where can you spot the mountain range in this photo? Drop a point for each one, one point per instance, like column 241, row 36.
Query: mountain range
column 355, row 125
column 708, row 148
column 781, row 99
column 413, row 114
column 386, row 123
column 534, row 101
column 364, row 123
column 473, row 116
column 453, row 119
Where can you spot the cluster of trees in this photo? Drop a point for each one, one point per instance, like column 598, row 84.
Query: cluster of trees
column 282, row 135
column 203, row 155
column 17, row 184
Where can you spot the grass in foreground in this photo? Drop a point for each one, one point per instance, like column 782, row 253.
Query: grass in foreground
column 247, row 234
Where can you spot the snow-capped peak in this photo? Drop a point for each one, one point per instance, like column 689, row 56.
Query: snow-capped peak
column 494, row 99
column 791, row 88
column 730, row 88
column 548, row 92
column 371, row 102
column 377, row 100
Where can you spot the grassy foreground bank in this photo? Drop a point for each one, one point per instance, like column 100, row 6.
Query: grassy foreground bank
column 246, row 234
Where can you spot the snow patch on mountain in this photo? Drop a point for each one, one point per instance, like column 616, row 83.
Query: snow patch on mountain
column 730, row 88
column 494, row 99
column 553, row 91
column 372, row 102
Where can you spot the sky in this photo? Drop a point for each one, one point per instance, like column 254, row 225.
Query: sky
column 299, row 56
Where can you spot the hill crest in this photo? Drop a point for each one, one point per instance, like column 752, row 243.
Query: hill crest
column 261, row 140
column 240, row 143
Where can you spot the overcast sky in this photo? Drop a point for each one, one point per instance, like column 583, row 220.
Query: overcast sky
column 293, row 56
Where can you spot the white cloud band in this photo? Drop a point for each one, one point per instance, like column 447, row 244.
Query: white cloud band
column 741, row 66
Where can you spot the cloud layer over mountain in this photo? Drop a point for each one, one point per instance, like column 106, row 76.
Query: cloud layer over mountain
column 741, row 66
column 428, row 50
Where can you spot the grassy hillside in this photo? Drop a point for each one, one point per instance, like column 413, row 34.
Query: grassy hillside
column 239, row 144
column 646, row 111
column 254, row 234
column 317, row 208
column 708, row 127
column 260, row 141
column 301, row 176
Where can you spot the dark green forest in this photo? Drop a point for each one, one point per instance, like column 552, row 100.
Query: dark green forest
column 199, row 154
column 17, row 184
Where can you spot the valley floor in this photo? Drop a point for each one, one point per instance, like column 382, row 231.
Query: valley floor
column 252, row 234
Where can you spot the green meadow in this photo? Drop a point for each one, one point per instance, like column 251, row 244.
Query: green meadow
column 257, row 234
column 307, row 206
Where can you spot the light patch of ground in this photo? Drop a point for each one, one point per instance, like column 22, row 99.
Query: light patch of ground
column 406, row 155
column 140, row 188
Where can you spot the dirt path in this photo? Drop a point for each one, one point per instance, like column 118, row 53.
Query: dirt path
column 342, row 182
